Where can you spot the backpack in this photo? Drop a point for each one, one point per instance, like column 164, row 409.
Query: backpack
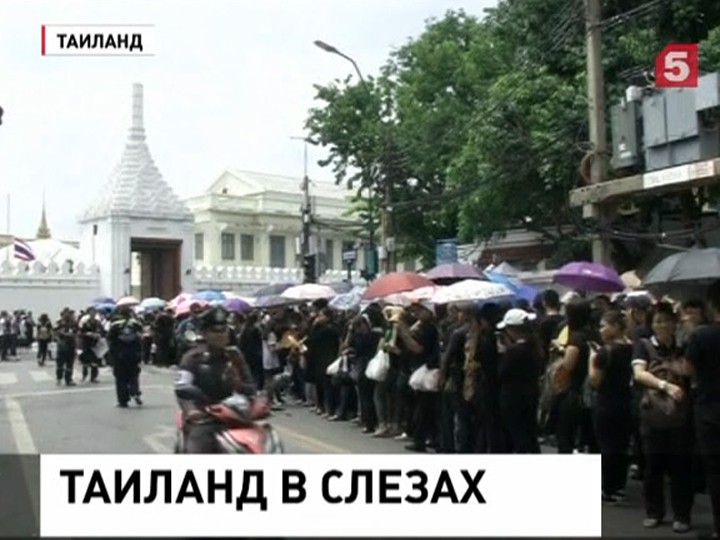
column 657, row 409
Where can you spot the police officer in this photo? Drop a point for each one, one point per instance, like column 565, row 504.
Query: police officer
column 208, row 374
column 89, row 333
column 125, row 343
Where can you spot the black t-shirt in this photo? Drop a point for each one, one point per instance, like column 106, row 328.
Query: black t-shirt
column 549, row 329
column 579, row 339
column 519, row 370
column 703, row 353
column 615, row 362
column 428, row 337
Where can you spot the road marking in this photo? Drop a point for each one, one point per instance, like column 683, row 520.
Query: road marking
column 153, row 440
column 25, row 445
column 41, row 376
column 311, row 441
column 64, row 391
column 8, row 378
column 19, row 426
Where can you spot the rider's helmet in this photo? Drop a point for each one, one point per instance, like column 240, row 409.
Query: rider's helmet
column 215, row 318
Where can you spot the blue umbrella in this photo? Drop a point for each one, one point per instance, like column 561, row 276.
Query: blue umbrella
column 526, row 292
column 103, row 300
column 512, row 284
column 209, row 296
column 106, row 307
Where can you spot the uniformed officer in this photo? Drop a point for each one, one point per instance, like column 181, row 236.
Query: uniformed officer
column 89, row 333
column 125, row 343
column 208, row 374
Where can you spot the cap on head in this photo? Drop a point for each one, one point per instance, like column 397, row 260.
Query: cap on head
column 516, row 317
column 213, row 318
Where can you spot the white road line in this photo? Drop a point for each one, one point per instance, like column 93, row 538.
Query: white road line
column 156, row 446
column 19, row 426
column 65, row 391
column 8, row 378
column 25, row 445
column 41, row 376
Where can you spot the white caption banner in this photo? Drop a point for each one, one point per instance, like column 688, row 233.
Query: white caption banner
column 97, row 40
column 523, row 496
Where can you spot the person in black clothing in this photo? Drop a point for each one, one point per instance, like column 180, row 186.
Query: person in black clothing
column 251, row 346
column 208, row 374
column 362, row 346
column 163, row 329
column 575, row 365
column 668, row 446
column 89, row 335
column 550, row 322
column 125, row 344
column 610, row 372
column 423, row 342
column 44, row 337
column 518, row 375
column 702, row 353
column 66, row 337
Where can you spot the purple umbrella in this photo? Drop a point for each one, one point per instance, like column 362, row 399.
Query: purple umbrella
column 237, row 305
column 590, row 277
column 452, row 272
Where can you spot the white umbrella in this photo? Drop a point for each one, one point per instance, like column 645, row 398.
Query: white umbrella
column 410, row 297
column 472, row 290
column 130, row 301
column 309, row 291
column 349, row 300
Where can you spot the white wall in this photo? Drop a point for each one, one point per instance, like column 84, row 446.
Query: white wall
column 27, row 287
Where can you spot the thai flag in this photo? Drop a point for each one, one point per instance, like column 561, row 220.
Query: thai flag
column 23, row 251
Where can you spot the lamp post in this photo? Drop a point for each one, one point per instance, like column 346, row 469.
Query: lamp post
column 386, row 220
column 309, row 266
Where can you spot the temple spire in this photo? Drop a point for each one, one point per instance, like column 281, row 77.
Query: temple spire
column 43, row 232
column 137, row 129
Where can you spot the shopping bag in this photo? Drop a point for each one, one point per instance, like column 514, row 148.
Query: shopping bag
column 425, row 380
column 337, row 366
column 378, row 367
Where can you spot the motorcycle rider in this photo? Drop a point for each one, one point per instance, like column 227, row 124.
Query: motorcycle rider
column 207, row 375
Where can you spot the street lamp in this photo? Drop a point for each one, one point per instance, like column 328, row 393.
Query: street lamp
column 386, row 208
column 309, row 265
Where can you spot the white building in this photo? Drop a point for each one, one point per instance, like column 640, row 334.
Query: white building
column 253, row 219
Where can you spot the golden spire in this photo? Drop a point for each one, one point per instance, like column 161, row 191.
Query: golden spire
column 43, row 232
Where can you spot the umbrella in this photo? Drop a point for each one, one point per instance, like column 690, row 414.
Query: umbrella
column 273, row 289
column 273, row 301
column 309, row 291
column 341, row 287
column 184, row 308
column 693, row 269
column 347, row 301
column 130, row 301
column 179, row 299
column 631, row 280
column 591, row 277
column 152, row 304
column 526, row 292
column 238, row 305
column 410, row 297
column 105, row 307
column 209, row 296
column 472, row 290
column 395, row 282
column 452, row 272
column 103, row 300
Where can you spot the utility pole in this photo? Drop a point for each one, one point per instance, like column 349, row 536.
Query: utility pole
column 596, row 110
column 308, row 258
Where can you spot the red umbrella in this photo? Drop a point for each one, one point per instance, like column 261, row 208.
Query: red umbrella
column 396, row 282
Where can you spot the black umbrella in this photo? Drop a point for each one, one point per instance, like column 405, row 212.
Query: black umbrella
column 272, row 290
column 684, row 272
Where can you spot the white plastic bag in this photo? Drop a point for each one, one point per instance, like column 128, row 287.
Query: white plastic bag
column 425, row 380
column 378, row 367
column 334, row 368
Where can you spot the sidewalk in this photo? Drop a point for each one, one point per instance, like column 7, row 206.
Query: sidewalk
column 626, row 520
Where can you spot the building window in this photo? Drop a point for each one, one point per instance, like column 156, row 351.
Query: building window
column 247, row 247
column 277, row 251
column 227, row 246
column 199, row 246
column 329, row 255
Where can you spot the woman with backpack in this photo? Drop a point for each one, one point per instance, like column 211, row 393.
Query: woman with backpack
column 665, row 423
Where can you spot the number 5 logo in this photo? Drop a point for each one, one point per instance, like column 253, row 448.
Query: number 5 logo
column 677, row 66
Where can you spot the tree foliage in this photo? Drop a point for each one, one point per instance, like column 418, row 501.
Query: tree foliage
column 488, row 117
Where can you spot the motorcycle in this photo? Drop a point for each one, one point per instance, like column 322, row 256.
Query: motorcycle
column 241, row 427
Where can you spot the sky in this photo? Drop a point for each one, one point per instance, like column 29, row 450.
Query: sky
column 231, row 82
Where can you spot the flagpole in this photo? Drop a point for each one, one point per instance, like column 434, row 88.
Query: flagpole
column 7, row 217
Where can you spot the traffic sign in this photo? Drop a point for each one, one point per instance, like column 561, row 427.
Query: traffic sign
column 349, row 256
column 677, row 66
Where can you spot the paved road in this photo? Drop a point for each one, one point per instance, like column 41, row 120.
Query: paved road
column 36, row 416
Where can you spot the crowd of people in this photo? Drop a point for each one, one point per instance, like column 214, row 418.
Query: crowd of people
column 631, row 378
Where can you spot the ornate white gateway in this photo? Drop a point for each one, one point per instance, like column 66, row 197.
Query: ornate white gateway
column 139, row 222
